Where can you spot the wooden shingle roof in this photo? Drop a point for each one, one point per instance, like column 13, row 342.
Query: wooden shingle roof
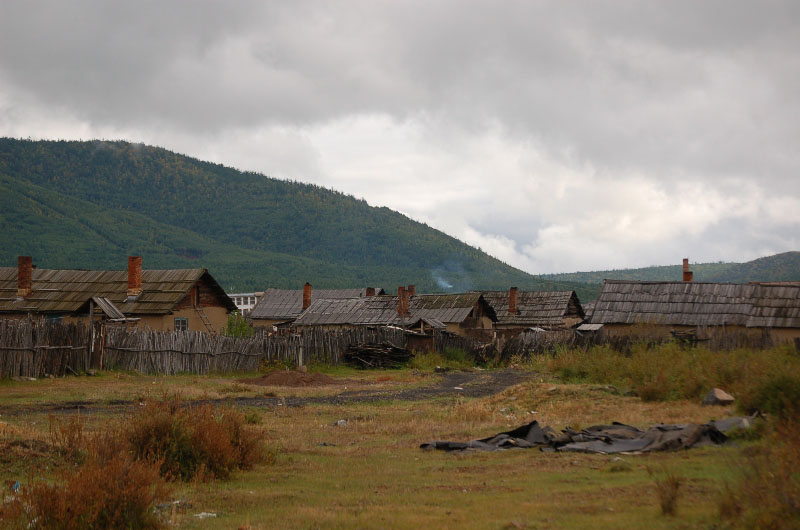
column 698, row 304
column 544, row 309
column 287, row 304
column 382, row 310
column 64, row 291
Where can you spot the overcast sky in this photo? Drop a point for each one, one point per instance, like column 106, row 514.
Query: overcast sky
column 557, row 136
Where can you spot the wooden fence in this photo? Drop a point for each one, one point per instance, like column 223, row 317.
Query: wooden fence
column 716, row 339
column 36, row 348
column 159, row 352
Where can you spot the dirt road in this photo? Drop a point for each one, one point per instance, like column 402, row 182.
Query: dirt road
column 467, row 384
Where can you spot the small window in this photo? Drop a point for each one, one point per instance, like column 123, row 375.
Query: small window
column 181, row 324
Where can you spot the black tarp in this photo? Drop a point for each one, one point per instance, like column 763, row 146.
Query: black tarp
column 614, row 438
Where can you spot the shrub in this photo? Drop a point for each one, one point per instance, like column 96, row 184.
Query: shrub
column 778, row 395
column 118, row 493
column 192, row 442
column 237, row 326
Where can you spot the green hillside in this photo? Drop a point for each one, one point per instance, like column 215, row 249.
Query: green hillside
column 90, row 204
column 780, row 267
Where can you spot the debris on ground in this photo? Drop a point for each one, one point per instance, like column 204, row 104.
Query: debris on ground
column 205, row 515
column 292, row 378
column 382, row 355
column 718, row 396
column 606, row 439
column 340, row 423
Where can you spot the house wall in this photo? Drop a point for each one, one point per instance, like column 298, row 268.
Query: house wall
column 779, row 335
column 218, row 316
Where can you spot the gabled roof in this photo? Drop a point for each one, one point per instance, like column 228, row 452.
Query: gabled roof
column 698, row 304
column 287, row 304
column 65, row 291
column 535, row 308
column 382, row 310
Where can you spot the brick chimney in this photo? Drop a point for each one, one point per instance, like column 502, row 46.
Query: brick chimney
column 24, row 276
column 306, row 296
column 370, row 291
column 512, row 301
column 411, row 290
column 401, row 295
column 134, row 275
column 687, row 274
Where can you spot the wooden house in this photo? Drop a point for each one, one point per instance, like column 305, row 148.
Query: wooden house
column 283, row 306
column 687, row 306
column 182, row 299
column 465, row 314
column 520, row 310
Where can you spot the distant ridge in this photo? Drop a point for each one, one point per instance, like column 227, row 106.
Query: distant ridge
column 90, row 204
column 777, row 268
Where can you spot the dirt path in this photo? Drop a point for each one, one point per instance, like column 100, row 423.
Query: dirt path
column 467, row 384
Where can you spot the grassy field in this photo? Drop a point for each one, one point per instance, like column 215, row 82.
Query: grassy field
column 370, row 472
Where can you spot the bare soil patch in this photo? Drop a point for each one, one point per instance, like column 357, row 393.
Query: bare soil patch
column 292, row 378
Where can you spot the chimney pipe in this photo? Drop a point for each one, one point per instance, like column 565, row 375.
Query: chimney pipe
column 512, row 301
column 687, row 274
column 134, row 275
column 411, row 290
column 370, row 291
column 24, row 276
column 306, row 296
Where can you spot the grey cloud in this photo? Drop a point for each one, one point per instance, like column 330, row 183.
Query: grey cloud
column 678, row 91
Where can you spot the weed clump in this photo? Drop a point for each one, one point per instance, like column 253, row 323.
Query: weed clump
column 67, row 437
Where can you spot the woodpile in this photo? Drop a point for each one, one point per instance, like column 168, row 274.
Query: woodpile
column 377, row 356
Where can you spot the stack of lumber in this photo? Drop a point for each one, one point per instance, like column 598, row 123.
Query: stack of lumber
column 383, row 355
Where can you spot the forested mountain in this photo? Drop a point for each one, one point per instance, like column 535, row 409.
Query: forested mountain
column 780, row 267
column 90, row 204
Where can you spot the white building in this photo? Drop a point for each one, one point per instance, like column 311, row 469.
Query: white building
column 245, row 301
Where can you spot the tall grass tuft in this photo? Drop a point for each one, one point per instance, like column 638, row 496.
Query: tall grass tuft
column 767, row 493
column 668, row 486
